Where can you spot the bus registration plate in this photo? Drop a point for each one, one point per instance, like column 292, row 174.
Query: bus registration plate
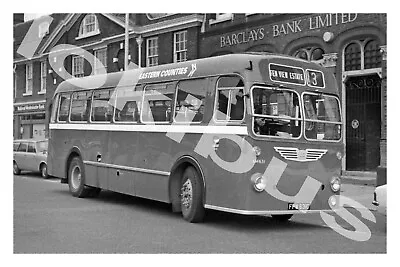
column 298, row 206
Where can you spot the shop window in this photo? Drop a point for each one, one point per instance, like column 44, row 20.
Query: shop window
column 190, row 100
column 230, row 99
column 157, row 102
column 127, row 104
column 63, row 112
column 80, row 106
column 102, row 108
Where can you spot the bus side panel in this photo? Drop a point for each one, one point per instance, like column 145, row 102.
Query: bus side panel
column 153, row 154
column 95, row 150
column 122, row 152
column 59, row 149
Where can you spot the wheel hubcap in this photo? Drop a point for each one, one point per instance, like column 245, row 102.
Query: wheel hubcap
column 76, row 177
column 186, row 194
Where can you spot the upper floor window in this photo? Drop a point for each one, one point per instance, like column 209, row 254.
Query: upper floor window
column 77, row 66
column 363, row 54
column 89, row 26
column 43, row 75
column 101, row 55
column 152, row 51
column 29, row 78
column 180, row 49
column 310, row 53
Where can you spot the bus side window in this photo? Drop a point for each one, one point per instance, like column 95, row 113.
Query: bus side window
column 63, row 111
column 80, row 106
column 102, row 109
column 190, row 100
column 158, row 102
column 127, row 105
column 230, row 100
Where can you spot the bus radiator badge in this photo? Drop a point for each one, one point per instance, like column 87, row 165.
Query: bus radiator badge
column 292, row 153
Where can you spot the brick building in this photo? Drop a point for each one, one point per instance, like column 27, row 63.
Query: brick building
column 353, row 46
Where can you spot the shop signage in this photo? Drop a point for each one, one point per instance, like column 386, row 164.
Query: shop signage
column 242, row 37
column 31, row 107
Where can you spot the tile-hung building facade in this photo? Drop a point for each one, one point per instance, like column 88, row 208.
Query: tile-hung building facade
column 353, row 46
column 102, row 35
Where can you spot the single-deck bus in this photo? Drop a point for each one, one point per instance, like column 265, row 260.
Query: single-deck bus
column 253, row 134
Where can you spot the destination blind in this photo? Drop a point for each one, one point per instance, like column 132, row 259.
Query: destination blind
column 286, row 74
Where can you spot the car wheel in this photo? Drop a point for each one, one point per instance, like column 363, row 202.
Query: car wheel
column 282, row 217
column 76, row 178
column 43, row 171
column 16, row 169
column 192, row 196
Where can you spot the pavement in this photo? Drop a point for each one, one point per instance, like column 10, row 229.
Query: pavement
column 363, row 194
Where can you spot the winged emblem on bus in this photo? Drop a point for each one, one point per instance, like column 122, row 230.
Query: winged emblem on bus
column 295, row 154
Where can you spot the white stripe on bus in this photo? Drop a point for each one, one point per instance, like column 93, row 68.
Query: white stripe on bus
column 161, row 128
column 126, row 168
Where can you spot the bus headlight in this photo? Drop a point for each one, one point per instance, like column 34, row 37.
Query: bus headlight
column 335, row 184
column 258, row 182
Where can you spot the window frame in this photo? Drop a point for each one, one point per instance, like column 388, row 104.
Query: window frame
column 176, row 99
column 174, row 83
column 70, row 106
column 59, row 106
column 185, row 50
column 140, row 87
column 253, row 115
column 31, row 144
column 28, row 78
column 214, row 117
column 26, row 148
column 83, row 33
column 95, row 52
column 91, row 105
column 148, row 56
column 43, row 77
column 321, row 121
column 82, row 59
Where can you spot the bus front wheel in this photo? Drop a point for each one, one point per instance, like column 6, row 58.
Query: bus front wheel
column 192, row 196
column 76, row 180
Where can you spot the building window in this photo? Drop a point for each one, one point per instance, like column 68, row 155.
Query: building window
column 310, row 53
column 152, row 52
column 89, row 26
column 180, row 50
column 101, row 55
column 29, row 78
column 363, row 54
column 43, row 75
column 220, row 17
column 77, row 66
column 43, row 29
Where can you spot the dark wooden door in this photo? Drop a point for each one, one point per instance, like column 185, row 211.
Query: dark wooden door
column 363, row 122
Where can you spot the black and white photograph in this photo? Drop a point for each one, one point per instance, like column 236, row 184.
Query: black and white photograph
column 199, row 133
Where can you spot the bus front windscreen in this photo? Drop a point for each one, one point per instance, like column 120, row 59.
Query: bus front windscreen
column 276, row 113
column 322, row 117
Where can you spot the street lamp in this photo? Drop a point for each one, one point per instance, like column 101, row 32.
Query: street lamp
column 139, row 41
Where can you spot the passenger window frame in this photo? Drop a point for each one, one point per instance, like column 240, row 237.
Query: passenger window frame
column 59, row 106
column 113, row 105
column 137, row 88
column 170, row 121
column 90, row 106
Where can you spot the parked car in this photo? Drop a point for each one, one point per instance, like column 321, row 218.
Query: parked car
column 380, row 198
column 30, row 155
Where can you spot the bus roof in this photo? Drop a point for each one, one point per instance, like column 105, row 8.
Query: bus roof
column 212, row 66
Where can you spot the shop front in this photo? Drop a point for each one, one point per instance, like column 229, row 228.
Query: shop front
column 29, row 120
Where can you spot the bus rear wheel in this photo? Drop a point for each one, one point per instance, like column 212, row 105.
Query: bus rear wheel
column 282, row 217
column 76, row 180
column 192, row 196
